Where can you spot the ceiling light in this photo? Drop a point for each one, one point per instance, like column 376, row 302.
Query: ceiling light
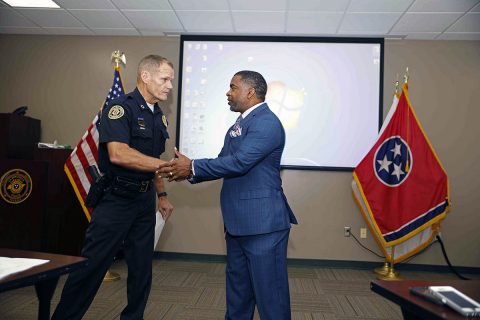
column 32, row 3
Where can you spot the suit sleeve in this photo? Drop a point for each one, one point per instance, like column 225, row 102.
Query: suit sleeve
column 261, row 138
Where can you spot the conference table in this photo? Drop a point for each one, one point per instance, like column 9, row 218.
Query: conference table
column 44, row 277
column 418, row 308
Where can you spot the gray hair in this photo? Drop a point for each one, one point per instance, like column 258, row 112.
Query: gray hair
column 256, row 80
column 151, row 63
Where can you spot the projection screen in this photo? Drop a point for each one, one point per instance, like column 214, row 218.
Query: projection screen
column 327, row 92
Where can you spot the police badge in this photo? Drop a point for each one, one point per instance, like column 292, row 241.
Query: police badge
column 15, row 186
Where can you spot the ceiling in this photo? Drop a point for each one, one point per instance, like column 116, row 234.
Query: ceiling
column 396, row 19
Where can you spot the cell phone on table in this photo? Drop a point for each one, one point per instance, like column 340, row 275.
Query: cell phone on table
column 425, row 293
column 456, row 300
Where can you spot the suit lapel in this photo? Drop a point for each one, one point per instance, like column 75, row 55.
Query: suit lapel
column 229, row 148
column 245, row 122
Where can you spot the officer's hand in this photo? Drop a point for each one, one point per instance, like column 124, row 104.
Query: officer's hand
column 177, row 169
column 165, row 208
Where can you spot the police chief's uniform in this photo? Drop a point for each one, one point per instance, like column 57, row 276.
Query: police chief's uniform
column 125, row 213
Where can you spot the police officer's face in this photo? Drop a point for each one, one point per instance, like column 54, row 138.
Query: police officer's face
column 159, row 83
column 239, row 94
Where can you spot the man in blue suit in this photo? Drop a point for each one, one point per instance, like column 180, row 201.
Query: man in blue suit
column 255, row 211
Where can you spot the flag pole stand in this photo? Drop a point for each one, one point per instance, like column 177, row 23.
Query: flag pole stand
column 383, row 270
column 117, row 58
column 391, row 275
column 111, row 276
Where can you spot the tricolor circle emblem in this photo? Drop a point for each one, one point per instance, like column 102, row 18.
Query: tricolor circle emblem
column 393, row 161
column 15, row 186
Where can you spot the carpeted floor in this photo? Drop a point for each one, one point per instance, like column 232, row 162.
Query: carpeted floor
column 196, row 290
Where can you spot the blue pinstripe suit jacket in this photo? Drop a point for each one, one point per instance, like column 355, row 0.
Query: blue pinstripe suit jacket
column 252, row 198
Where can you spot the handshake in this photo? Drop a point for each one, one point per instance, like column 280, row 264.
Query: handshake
column 177, row 169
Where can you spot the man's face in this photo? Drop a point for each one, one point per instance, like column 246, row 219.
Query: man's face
column 238, row 94
column 159, row 83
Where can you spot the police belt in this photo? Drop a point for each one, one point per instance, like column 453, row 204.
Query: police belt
column 128, row 184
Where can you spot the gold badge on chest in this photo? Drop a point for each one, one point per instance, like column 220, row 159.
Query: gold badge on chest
column 164, row 119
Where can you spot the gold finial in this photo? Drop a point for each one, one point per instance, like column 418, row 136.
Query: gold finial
column 406, row 76
column 118, row 57
column 396, row 85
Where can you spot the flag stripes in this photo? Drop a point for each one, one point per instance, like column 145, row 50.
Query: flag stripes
column 417, row 223
column 85, row 153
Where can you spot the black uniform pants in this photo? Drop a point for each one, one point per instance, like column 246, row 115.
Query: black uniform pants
column 114, row 220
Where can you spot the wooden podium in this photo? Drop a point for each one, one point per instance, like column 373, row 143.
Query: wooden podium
column 18, row 136
column 22, row 220
column 65, row 221
column 38, row 207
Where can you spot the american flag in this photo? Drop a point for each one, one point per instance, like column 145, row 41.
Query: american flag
column 85, row 153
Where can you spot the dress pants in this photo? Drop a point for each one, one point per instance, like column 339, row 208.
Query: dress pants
column 256, row 273
column 115, row 220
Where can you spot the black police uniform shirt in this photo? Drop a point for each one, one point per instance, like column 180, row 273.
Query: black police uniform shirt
column 128, row 119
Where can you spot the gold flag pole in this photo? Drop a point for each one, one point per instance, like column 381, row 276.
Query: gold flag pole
column 117, row 58
column 384, row 270
column 397, row 83
column 391, row 274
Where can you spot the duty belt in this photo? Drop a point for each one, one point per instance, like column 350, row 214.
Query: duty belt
column 132, row 185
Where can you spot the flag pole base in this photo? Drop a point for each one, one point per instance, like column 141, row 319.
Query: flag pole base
column 391, row 275
column 111, row 276
column 383, row 270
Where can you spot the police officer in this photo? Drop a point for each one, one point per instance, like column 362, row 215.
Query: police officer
column 133, row 131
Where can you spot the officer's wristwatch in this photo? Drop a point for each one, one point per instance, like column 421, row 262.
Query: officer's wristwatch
column 162, row 194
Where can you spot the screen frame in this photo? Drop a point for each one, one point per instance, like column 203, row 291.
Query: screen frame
column 380, row 41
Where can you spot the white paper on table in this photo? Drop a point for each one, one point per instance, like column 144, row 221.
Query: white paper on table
column 159, row 223
column 10, row 266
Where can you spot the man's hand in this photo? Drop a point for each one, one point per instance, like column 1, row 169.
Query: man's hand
column 178, row 169
column 165, row 208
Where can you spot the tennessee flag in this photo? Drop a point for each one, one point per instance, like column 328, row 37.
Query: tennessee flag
column 400, row 185
column 85, row 153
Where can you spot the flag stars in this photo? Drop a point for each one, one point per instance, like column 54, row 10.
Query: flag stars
column 396, row 151
column 384, row 164
column 397, row 171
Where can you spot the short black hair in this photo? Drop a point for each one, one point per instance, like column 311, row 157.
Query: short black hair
column 256, row 80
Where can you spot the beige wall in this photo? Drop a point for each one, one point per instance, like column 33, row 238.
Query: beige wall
column 64, row 79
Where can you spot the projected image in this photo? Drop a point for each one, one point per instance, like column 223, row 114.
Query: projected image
column 325, row 94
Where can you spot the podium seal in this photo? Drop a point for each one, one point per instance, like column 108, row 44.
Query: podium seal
column 15, row 186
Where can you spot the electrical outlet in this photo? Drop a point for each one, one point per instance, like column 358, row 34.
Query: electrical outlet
column 346, row 231
column 363, row 233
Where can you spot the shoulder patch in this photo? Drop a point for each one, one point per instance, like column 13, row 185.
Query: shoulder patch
column 116, row 112
column 164, row 119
